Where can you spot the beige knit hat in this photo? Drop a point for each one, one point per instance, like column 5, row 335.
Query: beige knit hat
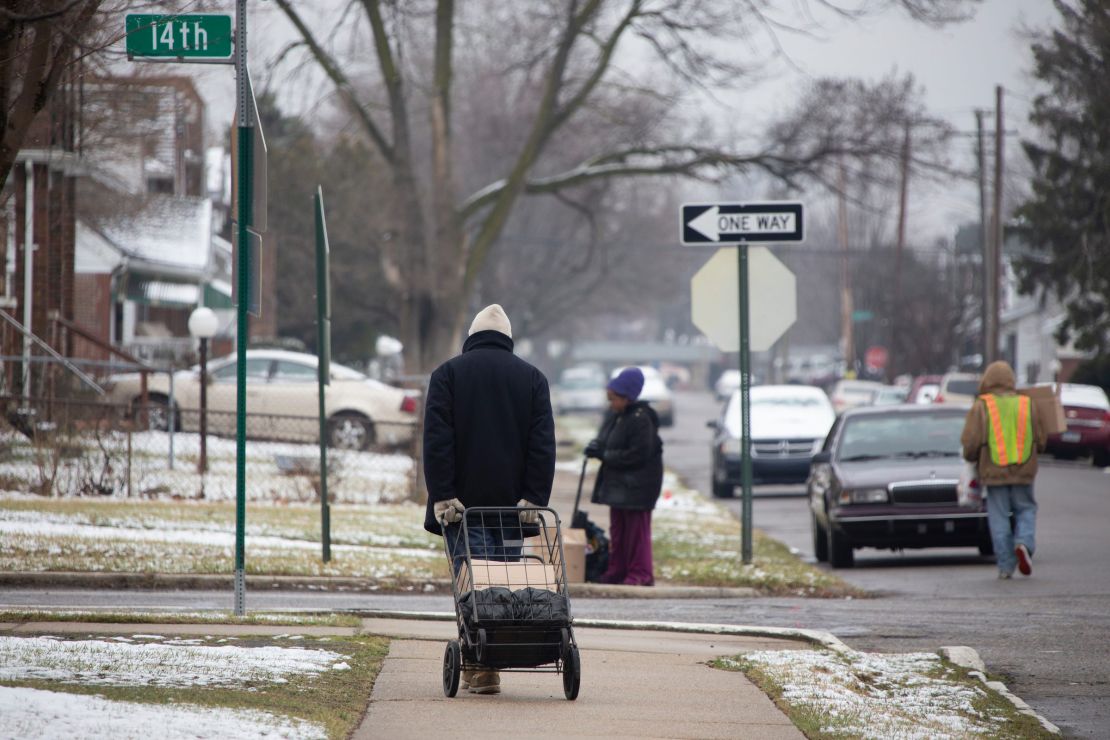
column 492, row 318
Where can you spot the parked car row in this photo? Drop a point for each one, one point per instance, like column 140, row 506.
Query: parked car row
column 582, row 389
column 360, row 412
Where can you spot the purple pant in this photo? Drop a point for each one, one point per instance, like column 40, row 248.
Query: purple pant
column 629, row 548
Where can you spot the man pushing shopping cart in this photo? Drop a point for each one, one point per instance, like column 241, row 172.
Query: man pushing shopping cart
column 489, row 441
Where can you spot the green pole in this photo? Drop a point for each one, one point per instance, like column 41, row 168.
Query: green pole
column 745, row 408
column 244, row 291
column 323, row 350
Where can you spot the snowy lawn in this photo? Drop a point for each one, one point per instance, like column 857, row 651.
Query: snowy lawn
column 697, row 541
column 913, row 696
column 385, row 542
column 119, row 686
column 91, row 464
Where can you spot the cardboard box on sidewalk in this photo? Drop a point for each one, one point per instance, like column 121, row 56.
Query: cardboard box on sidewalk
column 545, row 546
column 1048, row 408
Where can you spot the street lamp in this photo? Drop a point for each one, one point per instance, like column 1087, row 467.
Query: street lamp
column 203, row 325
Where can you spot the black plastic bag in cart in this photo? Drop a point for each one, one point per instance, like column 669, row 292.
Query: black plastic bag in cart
column 597, row 546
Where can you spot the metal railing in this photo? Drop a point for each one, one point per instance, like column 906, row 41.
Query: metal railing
column 76, row 447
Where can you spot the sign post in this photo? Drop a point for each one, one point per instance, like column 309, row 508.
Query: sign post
column 739, row 224
column 210, row 39
column 323, row 360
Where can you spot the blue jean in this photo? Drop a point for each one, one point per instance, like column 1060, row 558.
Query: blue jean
column 1002, row 501
column 486, row 542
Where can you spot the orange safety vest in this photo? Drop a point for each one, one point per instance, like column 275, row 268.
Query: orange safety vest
column 1009, row 429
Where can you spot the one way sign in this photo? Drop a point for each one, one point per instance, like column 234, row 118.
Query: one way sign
column 736, row 223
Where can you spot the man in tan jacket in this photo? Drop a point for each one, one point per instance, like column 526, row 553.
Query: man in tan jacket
column 1003, row 434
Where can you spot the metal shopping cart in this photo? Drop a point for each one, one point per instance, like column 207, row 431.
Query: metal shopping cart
column 511, row 601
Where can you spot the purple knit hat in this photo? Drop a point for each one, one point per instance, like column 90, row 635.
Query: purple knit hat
column 628, row 383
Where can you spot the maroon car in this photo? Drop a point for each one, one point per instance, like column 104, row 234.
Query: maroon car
column 1087, row 412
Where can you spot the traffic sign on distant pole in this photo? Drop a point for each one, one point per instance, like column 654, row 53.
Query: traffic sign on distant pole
column 736, row 223
column 740, row 223
column 186, row 38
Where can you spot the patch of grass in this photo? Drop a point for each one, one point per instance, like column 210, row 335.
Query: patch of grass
column 990, row 715
column 335, row 699
column 704, row 550
column 276, row 619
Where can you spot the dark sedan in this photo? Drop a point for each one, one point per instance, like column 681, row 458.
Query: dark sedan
column 886, row 478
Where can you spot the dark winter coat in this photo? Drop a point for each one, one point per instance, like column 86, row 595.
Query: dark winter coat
column 489, row 434
column 631, row 474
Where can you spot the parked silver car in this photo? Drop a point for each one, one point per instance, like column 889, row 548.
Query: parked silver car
column 282, row 401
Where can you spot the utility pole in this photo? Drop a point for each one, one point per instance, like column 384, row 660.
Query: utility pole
column 900, row 246
column 846, row 305
column 985, row 313
column 996, row 228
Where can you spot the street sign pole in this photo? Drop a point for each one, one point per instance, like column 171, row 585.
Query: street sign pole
column 323, row 362
column 745, row 409
column 246, row 122
column 741, row 224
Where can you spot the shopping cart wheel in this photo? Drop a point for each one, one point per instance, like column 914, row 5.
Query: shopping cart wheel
column 452, row 665
column 572, row 673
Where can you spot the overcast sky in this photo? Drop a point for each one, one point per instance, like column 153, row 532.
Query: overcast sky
column 958, row 66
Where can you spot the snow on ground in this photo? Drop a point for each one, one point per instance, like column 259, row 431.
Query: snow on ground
column 870, row 695
column 154, row 661
column 38, row 524
column 354, row 477
column 32, row 714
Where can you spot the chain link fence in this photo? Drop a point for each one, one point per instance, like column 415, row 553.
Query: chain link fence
column 74, row 446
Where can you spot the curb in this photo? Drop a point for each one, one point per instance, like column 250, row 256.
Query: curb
column 184, row 582
column 968, row 658
column 819, row 637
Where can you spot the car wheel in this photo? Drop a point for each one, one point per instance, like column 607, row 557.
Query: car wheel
column 986, row 547
column 157, row 413
column 840, row 550
column 1100, row 458
column 349, row 431
column 820, row 540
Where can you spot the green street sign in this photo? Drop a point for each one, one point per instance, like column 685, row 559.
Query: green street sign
column 184, row 37
column 858, row 316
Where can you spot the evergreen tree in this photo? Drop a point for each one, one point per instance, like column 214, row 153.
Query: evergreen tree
column 1067, row 218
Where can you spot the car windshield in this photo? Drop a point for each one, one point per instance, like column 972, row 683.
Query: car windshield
column 962, row 387
column 795, row 402
column 580, row 383
column 872, row 437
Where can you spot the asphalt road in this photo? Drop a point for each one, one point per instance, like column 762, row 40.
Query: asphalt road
column 1047, row 636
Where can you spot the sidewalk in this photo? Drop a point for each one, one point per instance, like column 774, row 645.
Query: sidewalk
column 634, row 684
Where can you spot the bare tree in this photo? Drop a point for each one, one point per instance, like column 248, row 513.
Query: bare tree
column 440, row 238
column 39, row 41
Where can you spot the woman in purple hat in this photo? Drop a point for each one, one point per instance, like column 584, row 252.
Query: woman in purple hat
column 630, row 478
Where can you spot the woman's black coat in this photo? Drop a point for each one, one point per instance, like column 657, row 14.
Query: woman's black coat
column 631, row 474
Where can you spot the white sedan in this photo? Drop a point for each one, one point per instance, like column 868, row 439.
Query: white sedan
column 789, row 424
column 282, row 401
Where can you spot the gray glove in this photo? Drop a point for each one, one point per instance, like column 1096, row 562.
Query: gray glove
column 449, row 511
column 531, row 516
